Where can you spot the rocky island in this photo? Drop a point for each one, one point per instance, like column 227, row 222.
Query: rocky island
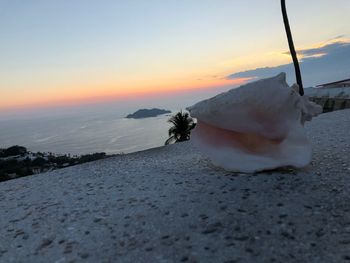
column 146, row 113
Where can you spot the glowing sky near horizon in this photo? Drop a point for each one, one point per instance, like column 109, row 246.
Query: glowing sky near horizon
column 72, row 51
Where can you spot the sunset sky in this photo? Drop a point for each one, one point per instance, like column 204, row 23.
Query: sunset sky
column 57, row 52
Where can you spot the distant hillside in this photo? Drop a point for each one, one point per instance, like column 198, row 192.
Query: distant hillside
column 16, row 161
column 146, row 113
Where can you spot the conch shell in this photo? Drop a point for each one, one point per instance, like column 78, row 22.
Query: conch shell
column 258, row 126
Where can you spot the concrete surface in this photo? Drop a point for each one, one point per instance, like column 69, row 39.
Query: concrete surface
column 170, row 205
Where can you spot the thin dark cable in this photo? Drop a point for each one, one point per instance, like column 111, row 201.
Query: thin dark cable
column 291, row 48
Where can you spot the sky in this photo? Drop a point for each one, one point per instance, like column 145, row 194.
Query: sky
column 68, row 52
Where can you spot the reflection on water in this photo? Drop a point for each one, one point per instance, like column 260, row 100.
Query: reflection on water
column 78, row 135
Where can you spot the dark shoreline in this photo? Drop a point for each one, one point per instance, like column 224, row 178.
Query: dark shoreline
column 16, row 161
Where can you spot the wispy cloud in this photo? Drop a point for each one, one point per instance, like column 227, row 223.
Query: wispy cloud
column 325, row 63
column 320, row 51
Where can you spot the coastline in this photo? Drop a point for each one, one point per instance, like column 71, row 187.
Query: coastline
column 79, row 136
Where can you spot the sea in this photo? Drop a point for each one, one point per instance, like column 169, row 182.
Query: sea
column 78, row 135
column 95, row 127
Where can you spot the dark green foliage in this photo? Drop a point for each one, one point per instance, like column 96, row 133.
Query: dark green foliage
column 61, row 160
column 181, row 129
column 328, row 105
column 13, row 151
column 4, row 176
column 91, row 157
column 39, row 161
column 12, row 166
column 343, row 105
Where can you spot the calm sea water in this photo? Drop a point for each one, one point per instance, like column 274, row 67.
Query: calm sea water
column 99, row 127
column 81, row 135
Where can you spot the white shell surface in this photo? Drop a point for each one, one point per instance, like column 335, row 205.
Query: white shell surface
column 255, row 127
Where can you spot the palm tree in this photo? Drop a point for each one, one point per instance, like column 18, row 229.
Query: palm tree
column 183, row 124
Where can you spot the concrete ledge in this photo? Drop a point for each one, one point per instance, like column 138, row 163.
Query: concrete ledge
column 170, row 205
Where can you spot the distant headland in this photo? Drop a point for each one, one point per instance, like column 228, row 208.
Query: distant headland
column 146, row 113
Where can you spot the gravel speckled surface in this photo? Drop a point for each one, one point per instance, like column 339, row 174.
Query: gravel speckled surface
column 170, row 205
